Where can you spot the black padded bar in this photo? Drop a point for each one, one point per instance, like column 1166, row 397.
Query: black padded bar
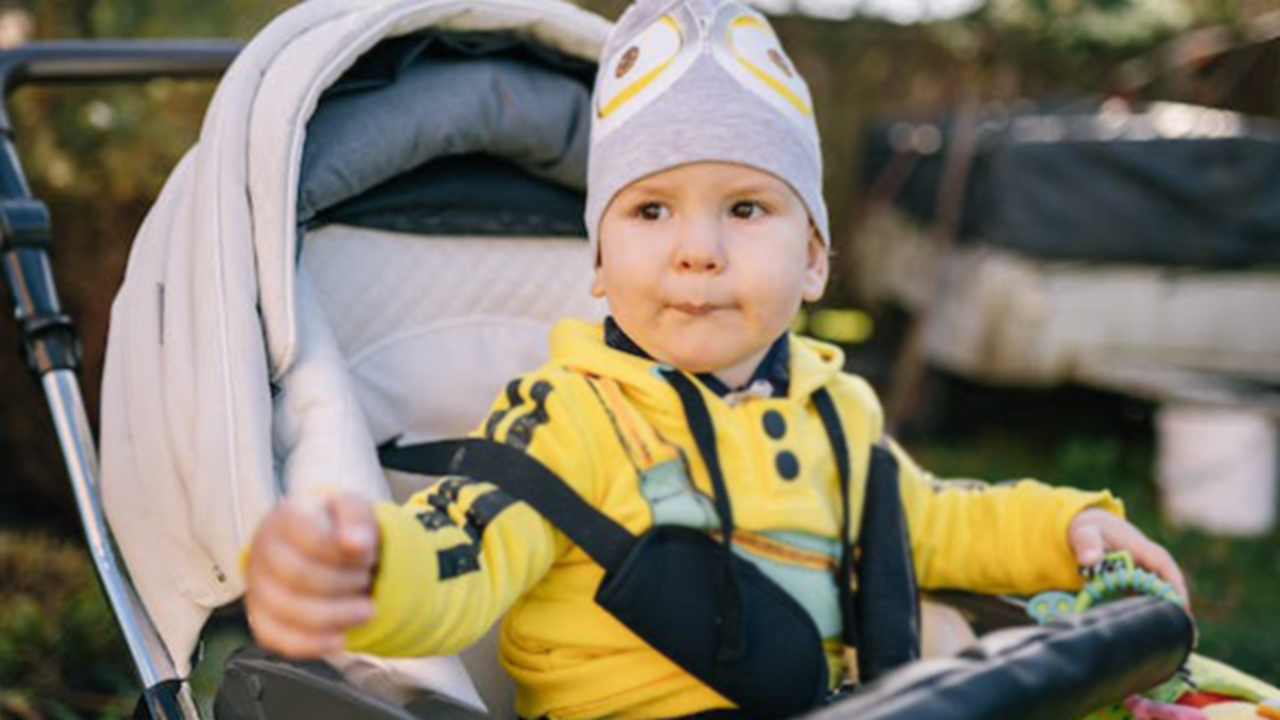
column 1063, row 670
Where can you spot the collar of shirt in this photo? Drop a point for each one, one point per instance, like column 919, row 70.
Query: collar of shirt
column 773, row 369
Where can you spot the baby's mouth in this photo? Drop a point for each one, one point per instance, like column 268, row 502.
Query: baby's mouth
column 694, row 309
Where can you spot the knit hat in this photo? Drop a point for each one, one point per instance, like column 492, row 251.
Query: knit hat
column 685, row 81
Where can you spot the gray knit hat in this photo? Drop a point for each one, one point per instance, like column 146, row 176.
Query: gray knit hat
column 685, row 81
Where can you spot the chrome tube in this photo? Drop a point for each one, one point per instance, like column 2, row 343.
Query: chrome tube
column 150, row 656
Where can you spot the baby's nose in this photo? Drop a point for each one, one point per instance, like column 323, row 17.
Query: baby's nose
column 700, row 252
column 699, row 263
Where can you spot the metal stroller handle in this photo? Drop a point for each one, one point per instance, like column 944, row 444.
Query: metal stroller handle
column 50, row 345
column 82, row 61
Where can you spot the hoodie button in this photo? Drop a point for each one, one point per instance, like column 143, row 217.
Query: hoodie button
column 775, row 426
column 788, row 465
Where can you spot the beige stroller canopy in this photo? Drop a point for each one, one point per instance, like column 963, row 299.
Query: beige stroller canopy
column 227, row 382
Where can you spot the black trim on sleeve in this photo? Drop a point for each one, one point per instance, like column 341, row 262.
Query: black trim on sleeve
column 435, row 519
column 520, row 434
column 497, row 416
column 446, row 493
column 484, row 510
column 458, row 560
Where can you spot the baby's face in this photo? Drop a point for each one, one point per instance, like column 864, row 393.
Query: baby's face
column 705, row 265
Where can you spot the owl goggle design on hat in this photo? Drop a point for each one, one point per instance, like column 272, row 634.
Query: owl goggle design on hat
column 739, row 39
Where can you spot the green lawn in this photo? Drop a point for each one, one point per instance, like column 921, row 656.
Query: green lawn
column 61, row 657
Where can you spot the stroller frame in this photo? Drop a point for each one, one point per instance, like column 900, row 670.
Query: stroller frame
column 49, row 341
column 51, row 347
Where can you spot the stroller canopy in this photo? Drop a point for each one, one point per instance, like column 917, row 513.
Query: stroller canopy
column 226, row 378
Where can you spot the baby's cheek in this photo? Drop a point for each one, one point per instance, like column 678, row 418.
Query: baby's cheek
column 776, row 296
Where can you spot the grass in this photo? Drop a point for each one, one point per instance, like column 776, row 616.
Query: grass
column 61, row 656
column 61, row 653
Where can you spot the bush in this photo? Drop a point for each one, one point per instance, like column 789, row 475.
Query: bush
column 61, row 653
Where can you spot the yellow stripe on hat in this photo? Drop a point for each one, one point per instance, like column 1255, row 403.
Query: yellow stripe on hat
column 634, row 88
column 760, row 74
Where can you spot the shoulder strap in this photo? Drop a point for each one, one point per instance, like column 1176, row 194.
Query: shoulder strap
column 889, row 607
column 733, row 616
column 840, row 449
column 524, row 478
column 882, row 621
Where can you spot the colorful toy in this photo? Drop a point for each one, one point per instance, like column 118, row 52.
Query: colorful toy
column 1117, row 576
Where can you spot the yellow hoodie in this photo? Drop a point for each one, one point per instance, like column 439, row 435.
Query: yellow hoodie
column 458, row 557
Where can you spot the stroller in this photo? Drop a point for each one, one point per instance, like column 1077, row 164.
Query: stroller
column 378, row 225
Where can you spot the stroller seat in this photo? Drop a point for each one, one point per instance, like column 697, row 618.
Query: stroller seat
column 375, row 232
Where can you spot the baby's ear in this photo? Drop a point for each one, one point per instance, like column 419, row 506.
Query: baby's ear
column 815, row 277
column 597, row 282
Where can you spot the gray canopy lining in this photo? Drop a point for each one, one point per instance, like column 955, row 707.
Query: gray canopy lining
column 381, row 124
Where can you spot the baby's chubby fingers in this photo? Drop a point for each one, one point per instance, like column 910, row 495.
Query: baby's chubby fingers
column 282, row 564
column 304, row 612
column 274, row 633
column 1094, row 532
column 323, row 546
column 355, row 529
column 1087, row 541
column 335, row 530
column 309, row 571
column 1153, row 557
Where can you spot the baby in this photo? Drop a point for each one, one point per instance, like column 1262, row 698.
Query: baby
column 691, row 406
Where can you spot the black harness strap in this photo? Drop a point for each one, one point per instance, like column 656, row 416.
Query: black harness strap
column 840, row 448
column 733, row 642
column 524, row 478
column 888, row 609
column 882, row 620
column 704, row 435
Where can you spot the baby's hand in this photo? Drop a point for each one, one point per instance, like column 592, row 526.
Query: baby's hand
column 309, row 574
column 1095, row 532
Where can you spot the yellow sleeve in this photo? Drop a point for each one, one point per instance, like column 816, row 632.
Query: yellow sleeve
column 1005, row 538
column 454, row 558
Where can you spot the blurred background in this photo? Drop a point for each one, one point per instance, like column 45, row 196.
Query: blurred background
column 1031, row 199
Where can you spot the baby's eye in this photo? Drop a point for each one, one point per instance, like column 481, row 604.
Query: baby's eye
column 747, row 210
column 651, row 211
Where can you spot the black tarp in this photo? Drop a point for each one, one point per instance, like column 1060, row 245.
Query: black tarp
column 1166, row 184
